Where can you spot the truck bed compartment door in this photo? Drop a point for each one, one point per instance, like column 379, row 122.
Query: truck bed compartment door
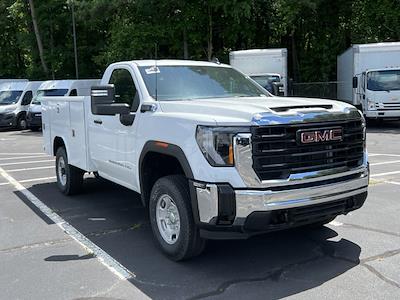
column 78, row 144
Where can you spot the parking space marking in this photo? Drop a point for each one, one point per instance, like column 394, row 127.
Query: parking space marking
column 384, row 174
column 382, row 154
column 113, row 265
column 26, row 162
column 37, row 179
column 8, row 153
column 22, row 157
column 30, row 169
column 386, row 163
column 31, row 180
column 393, row 182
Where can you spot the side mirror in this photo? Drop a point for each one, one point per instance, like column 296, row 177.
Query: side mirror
column 278, row 89
column 103, row 102
column 355, row 82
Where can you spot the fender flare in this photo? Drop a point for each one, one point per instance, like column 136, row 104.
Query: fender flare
column 166, row 149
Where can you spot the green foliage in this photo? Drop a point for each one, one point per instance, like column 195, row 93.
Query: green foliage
column 314, row 31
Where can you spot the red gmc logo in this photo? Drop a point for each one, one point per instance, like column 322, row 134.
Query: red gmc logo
column 318, row 136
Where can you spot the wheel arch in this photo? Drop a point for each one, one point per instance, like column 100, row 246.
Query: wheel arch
column 166, row 153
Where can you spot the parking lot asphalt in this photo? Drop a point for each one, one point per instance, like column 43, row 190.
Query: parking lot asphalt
column 99, row 244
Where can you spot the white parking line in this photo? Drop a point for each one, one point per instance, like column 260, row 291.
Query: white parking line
column 384, row 174
column 381, row 154
column 386, row 163
column 30, row 169
column 393, row 182
column 102, row 256
column 8, row 153
column 31, row 180
column 22, row 157
column 26, row 162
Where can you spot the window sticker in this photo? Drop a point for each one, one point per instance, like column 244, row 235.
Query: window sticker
column 152, row 70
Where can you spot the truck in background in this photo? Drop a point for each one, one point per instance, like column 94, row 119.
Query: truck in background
column 12, row 80
column 56, row 88
column 369, row 78
column 211, row 160
column 15, row 98
column 268, row 67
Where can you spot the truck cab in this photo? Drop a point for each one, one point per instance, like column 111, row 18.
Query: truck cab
column 272, row 82
column 212, row 154
column 378, row 91
column 15, row 98
column 57, row 88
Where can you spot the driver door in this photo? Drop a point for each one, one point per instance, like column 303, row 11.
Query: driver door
column 112, row 138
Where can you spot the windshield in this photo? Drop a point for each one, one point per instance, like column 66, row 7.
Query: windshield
column 383, row 80
column 197, row 82
column 9, row 97
column 48, row 93
column 266, row 81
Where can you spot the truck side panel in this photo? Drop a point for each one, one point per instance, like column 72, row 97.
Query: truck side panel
column 345, row 67
column 77, row 151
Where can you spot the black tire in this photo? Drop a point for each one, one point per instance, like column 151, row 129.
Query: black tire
column 35, row 129
column 189, row 243
column 22, row 123
column 73, row 176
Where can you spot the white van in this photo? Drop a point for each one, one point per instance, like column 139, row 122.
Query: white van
column 56, row 88
column 15, row 98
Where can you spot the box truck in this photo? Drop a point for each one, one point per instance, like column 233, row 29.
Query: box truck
column 268, row 67
column 211, row 160
column 369, row 78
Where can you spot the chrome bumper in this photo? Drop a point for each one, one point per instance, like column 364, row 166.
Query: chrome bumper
column 249, row 201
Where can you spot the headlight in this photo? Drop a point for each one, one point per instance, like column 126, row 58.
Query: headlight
column 216, row 144
column 371, row 105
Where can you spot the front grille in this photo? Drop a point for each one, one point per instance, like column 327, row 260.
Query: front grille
column 390, row 106
column 277, row 153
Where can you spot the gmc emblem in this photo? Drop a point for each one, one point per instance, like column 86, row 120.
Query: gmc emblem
column 320, row 136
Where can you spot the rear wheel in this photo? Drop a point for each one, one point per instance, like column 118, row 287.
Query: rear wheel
column 69, row 178
column 171, row 219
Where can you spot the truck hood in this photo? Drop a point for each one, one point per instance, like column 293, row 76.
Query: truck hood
column 7, row 108
column 262, row 110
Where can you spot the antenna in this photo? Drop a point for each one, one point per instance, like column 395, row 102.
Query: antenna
column 156, row 71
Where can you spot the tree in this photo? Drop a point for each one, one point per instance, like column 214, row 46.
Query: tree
column 38, row 37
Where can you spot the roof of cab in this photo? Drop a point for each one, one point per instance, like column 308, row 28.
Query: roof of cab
column 174, row 62
column 20, row 85
column 63, row 84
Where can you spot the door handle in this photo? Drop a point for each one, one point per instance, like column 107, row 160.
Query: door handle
column 98, row 122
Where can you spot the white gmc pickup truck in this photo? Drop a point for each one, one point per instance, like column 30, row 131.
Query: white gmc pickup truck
column 213, row 155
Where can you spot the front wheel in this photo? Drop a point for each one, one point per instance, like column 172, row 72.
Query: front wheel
column 69, row 178
column 21, row 123
column 171, row 219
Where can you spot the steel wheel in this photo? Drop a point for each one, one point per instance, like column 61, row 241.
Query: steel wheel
column 62, row 176
column 168, row 219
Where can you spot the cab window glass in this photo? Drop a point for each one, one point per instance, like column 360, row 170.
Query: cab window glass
column 27, row 98
column 73, row 93
column 125, row 89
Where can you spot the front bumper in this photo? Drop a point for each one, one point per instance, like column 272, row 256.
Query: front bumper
column 228, row 213
column 390, row 114
column 34, row 119
column 7, row 120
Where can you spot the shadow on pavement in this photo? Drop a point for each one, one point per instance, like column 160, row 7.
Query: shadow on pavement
column 376, row 126
column 280, row 264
